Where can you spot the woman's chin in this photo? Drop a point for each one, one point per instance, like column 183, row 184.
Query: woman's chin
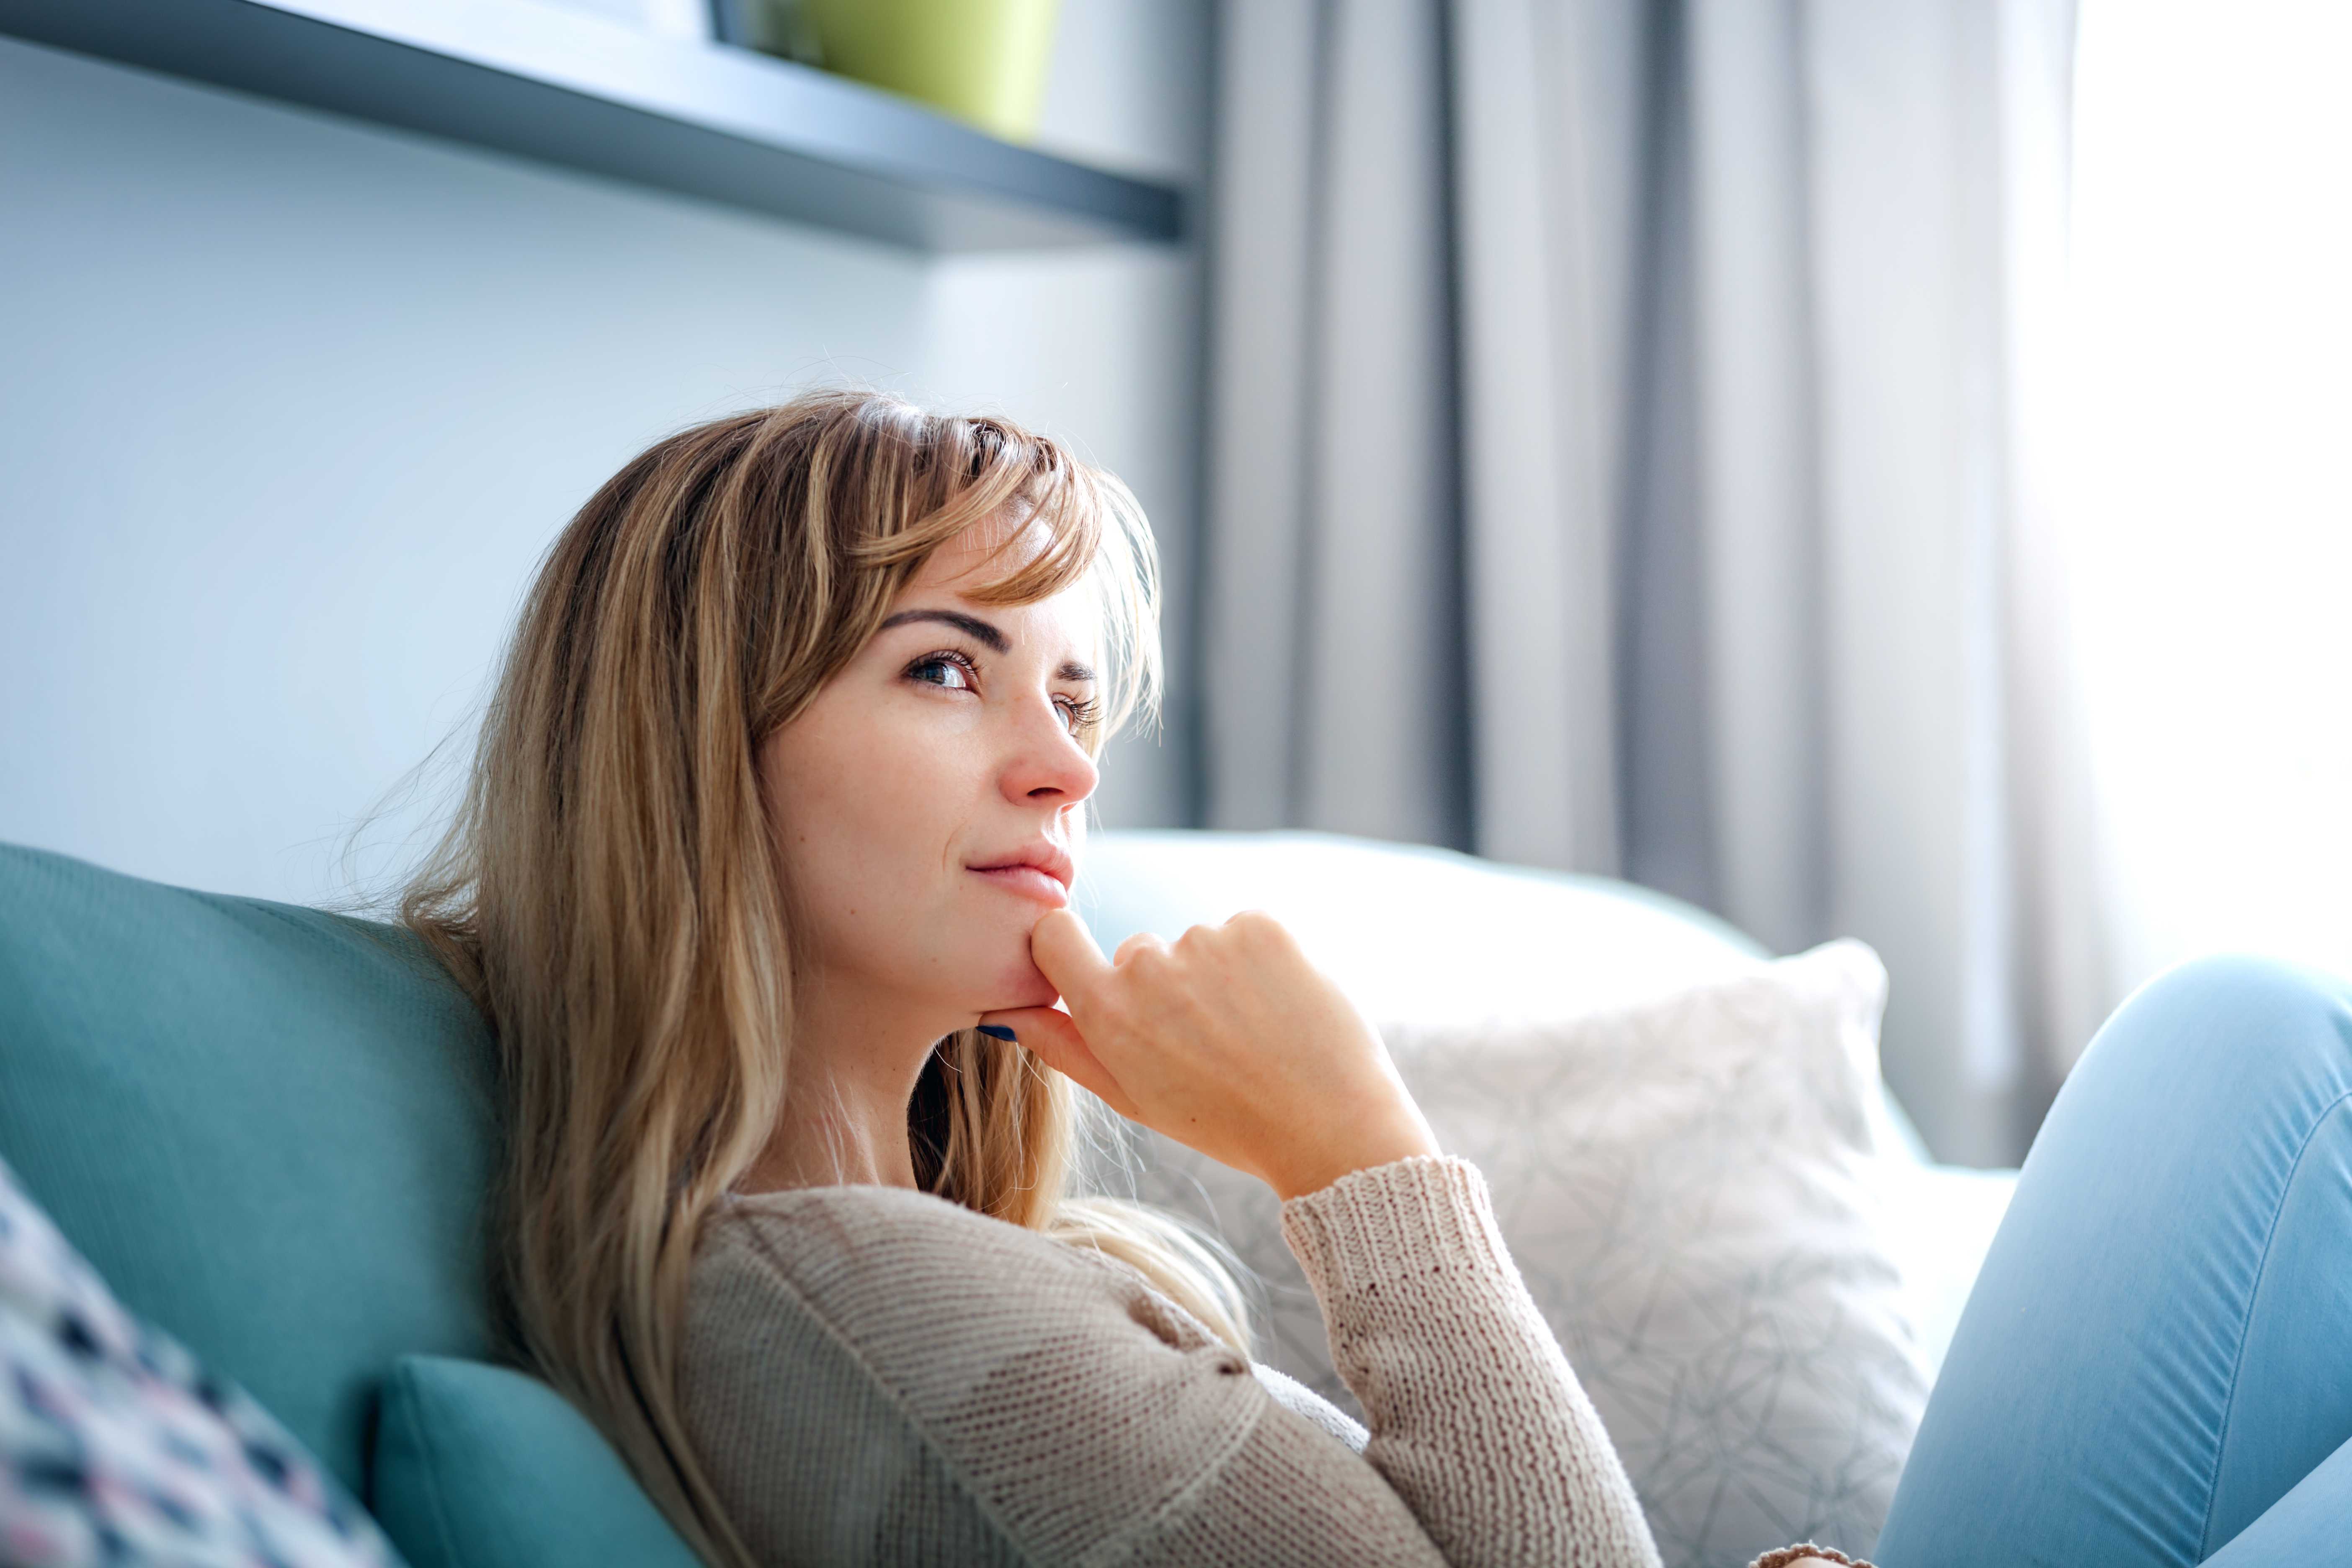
column 1020, row 988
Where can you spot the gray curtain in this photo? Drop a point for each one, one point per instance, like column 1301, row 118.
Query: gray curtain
column 1626, row 457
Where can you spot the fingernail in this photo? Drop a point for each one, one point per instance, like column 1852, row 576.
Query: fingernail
column 999, row 1032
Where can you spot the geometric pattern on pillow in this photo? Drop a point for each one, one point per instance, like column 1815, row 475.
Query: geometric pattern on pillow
column 1692, row 1190
column 116, row 1446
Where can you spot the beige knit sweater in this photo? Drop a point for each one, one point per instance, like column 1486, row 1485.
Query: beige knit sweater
column 874, row 1375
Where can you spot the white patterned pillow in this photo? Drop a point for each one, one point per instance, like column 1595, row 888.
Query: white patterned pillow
column 117, row 1448
column 1692, row 1188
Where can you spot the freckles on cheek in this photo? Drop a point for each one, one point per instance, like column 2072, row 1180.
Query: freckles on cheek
column 881, row 790
column 893, row 810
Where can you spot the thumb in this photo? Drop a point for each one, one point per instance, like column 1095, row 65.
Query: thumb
column 1049, row 1035
column 1064, row 952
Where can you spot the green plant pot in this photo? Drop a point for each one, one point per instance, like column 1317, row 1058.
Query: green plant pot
column 983, row 62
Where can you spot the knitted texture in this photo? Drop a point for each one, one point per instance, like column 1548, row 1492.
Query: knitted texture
column 878, row 1375
column 1476, row 1419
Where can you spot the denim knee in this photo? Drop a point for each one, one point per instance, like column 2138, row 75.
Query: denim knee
column 2263, row 1005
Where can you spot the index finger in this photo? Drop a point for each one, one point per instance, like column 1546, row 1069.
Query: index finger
column 1065, row 954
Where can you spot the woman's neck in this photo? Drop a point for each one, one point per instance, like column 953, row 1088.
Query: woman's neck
column 853, row 1071
column 825, row 1141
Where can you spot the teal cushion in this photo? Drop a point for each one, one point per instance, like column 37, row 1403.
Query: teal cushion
column 269, row 1128
column 482, row 1467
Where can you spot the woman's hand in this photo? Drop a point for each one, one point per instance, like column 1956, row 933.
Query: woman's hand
column 1228, row 1041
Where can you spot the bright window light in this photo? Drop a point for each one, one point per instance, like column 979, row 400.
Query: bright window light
column 2208, row 500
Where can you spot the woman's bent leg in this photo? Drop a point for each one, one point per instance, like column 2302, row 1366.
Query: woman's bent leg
column 2310, row 1527
column 2156, row 1349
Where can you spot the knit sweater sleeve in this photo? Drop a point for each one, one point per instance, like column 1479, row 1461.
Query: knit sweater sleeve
column 1474, row 1418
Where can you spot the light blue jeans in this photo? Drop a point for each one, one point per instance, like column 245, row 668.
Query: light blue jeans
column 2155, row 1365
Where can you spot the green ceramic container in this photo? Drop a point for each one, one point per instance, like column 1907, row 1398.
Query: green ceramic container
column 983, row 62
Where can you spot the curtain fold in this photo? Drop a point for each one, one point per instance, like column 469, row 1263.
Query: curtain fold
column 1626, row 457
column 1538, row 249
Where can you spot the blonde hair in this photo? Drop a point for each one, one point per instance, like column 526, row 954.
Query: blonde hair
column 608, row 892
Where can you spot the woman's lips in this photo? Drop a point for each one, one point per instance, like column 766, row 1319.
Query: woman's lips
column 1027, row 881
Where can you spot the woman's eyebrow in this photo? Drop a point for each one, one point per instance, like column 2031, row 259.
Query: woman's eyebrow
column 986, row 635
column 972, row 627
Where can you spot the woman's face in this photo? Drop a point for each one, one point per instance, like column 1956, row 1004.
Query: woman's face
column 928, row 804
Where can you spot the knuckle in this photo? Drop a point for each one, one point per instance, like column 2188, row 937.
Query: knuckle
column 1258, row 928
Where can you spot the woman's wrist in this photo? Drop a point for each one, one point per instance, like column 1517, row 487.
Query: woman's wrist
column 1314, row 1174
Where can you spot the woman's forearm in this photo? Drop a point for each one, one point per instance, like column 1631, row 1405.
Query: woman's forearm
column 1476, row 1419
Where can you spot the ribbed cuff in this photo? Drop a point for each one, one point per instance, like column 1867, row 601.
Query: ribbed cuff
column 1425, row 1214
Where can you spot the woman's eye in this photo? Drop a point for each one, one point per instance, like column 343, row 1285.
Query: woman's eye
column 942, row 669
column 1079, row 713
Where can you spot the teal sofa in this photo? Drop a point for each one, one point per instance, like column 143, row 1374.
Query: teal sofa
column 270, row 1128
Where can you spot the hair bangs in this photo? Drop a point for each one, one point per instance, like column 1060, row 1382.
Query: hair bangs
column 1095, row 531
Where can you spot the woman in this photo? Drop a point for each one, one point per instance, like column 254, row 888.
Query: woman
column 763, row 878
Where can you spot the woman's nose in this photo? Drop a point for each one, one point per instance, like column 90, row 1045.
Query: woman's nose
column 1047, row 766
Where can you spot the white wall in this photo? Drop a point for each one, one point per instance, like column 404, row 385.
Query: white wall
column 289, row 406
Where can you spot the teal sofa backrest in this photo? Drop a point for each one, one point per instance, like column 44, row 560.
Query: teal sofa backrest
column 268, row 1127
